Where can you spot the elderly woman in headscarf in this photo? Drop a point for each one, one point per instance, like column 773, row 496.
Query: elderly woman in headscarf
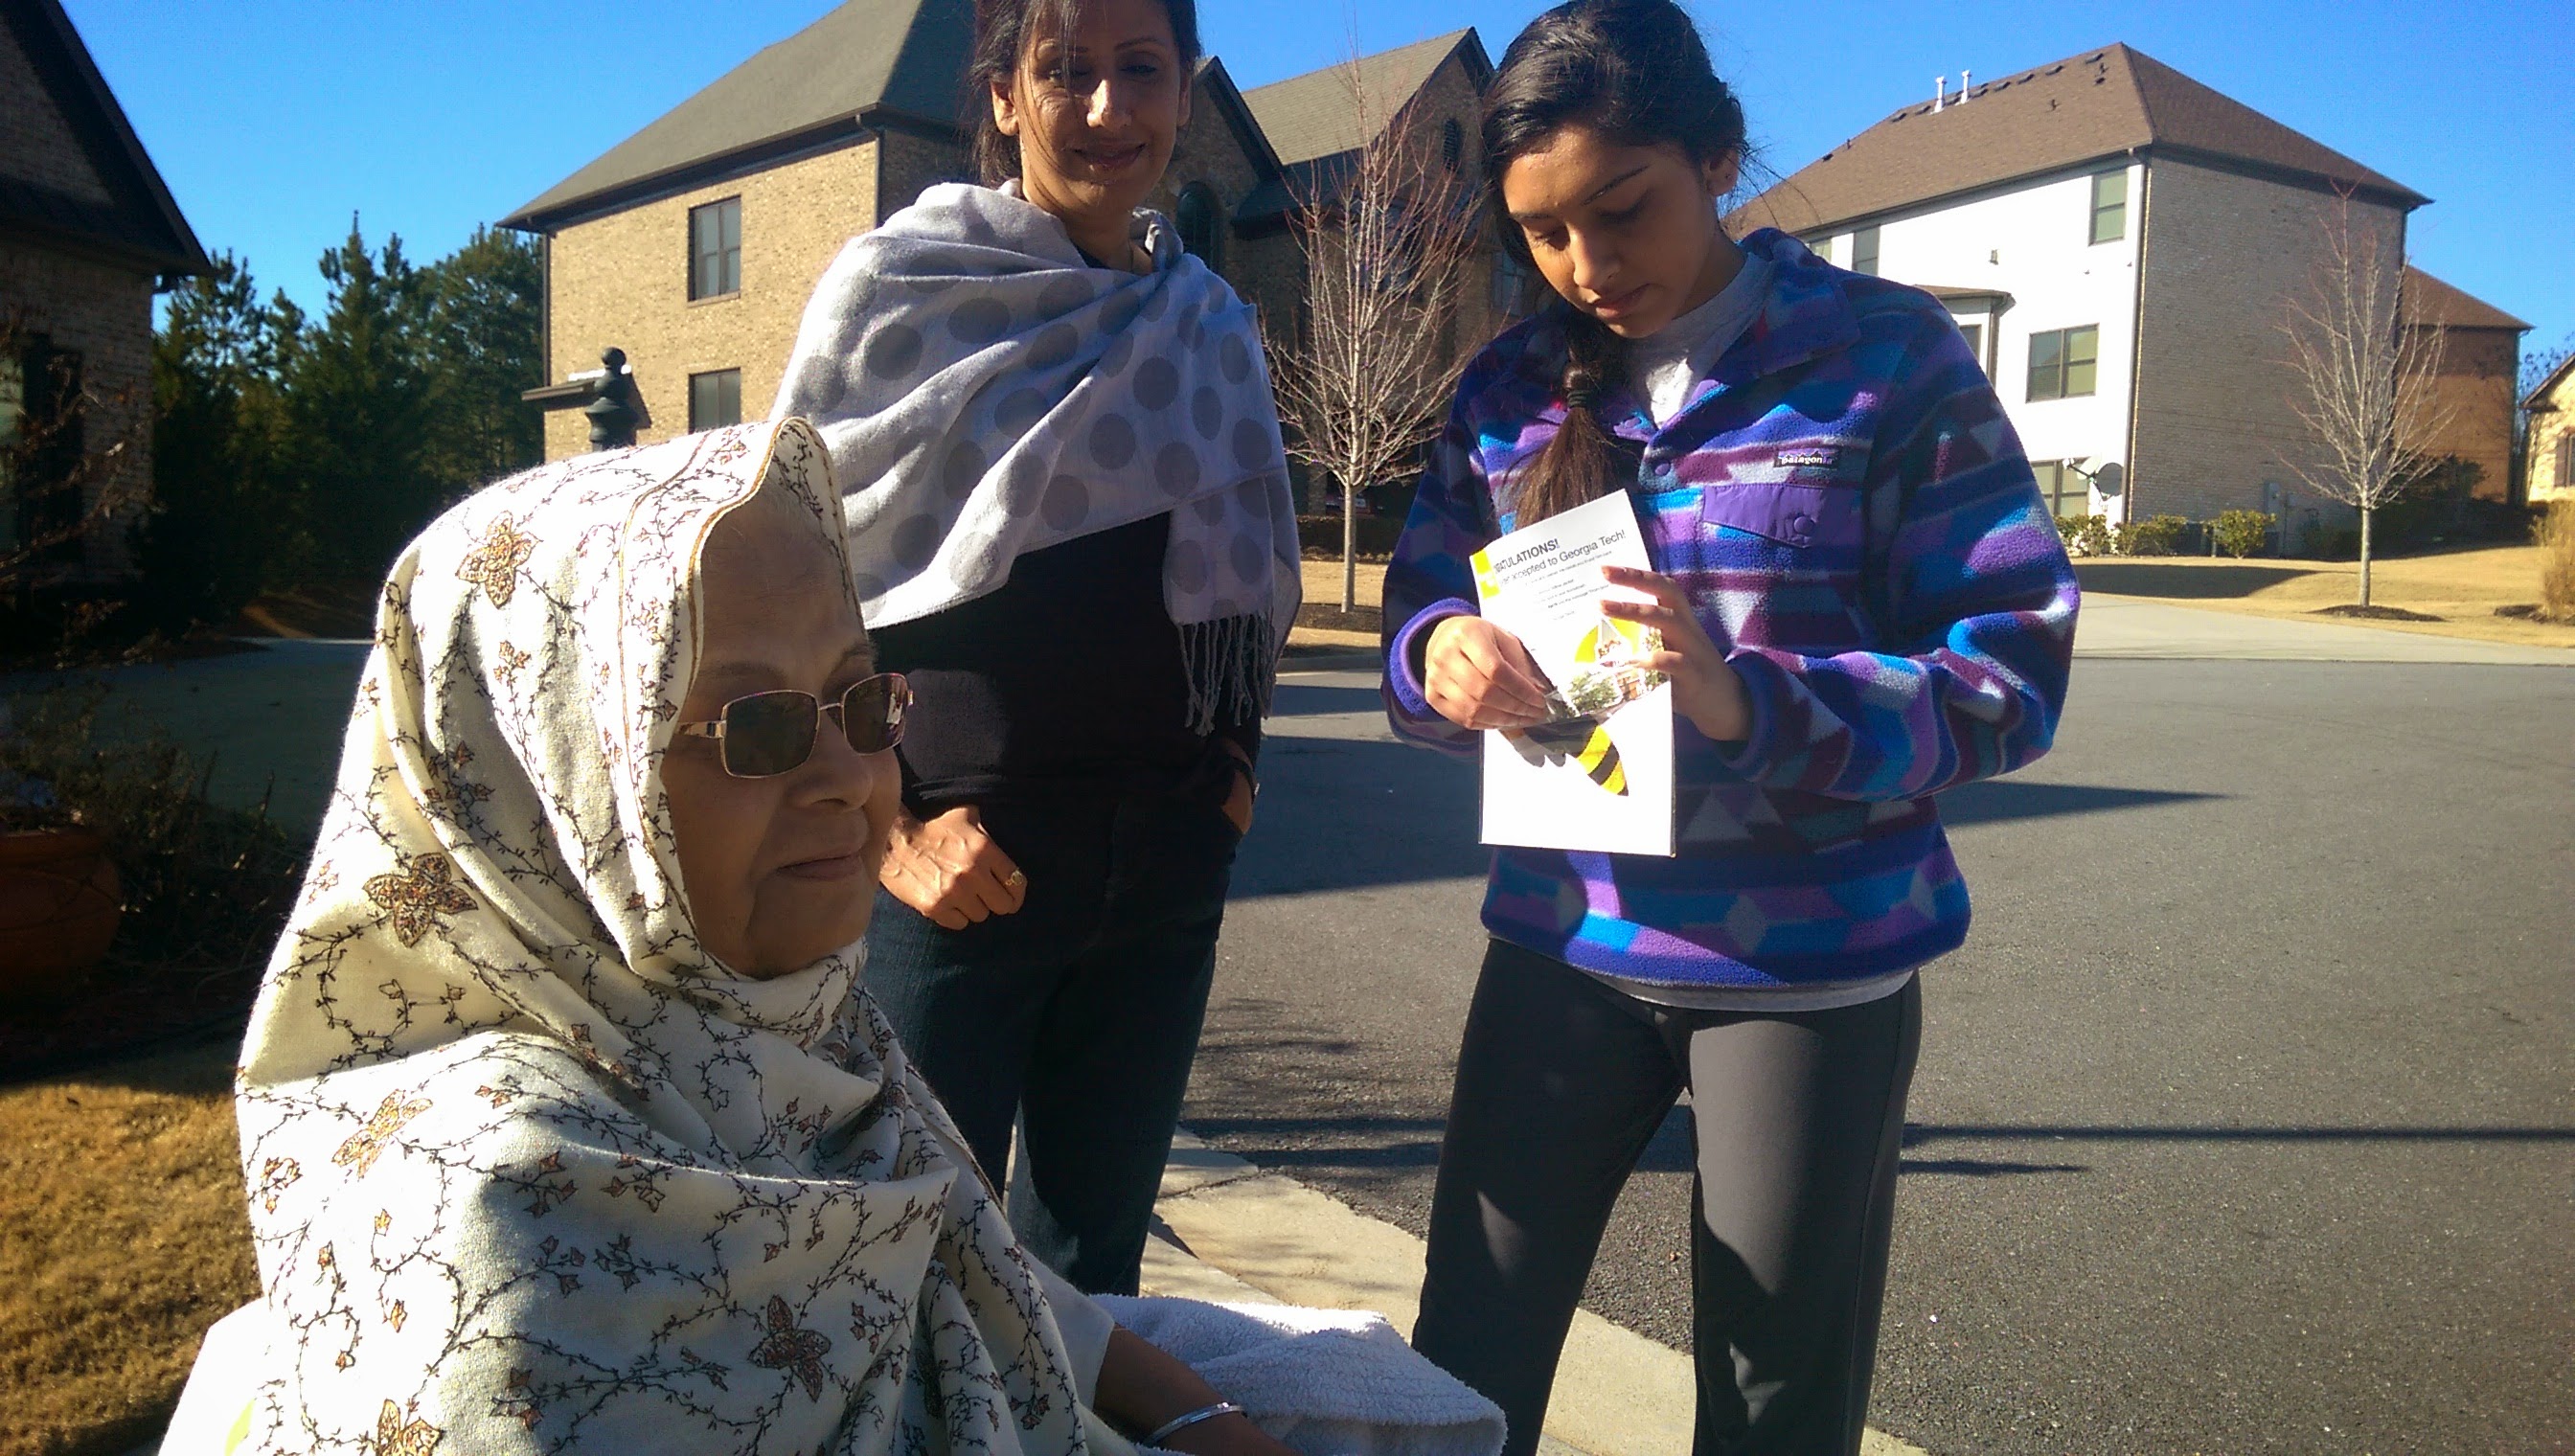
column 566, row 1123
column 1070, row 515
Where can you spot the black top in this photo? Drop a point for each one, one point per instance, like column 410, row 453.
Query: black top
column 1067, row 682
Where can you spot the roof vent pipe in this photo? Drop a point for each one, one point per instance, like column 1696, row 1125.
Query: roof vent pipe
column 1962, row 86
column 1939, row 92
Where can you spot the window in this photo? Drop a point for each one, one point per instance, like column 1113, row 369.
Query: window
column 1864, row 252
column 2064, row 487
column 1822, row 247
column 1453, row 144
column 2063, row 362
column 43, row 440
column 2566, row 459
column 715, row 400
column 2110, row 207
column 715, row 249
column 1975, row 334
column 1200, row 218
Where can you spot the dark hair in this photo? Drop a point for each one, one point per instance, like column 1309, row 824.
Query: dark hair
column 1636, row 72
column 1004, row 32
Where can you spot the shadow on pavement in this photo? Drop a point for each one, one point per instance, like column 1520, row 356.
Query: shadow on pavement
column 1351, row 813
column 2157, row 578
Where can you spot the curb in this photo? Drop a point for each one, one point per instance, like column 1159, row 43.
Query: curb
column 1230, row 1231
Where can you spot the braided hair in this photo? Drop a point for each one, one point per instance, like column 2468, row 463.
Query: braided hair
column 1636, row 72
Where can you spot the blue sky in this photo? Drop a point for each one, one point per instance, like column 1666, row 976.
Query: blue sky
column 272, row 120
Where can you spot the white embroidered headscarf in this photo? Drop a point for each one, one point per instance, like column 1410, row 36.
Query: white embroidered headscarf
column 985, row 392
column 528, row 1170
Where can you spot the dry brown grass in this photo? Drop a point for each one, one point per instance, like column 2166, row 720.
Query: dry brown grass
column 127, row 1237
column 2555, row 542
column 2463, row 587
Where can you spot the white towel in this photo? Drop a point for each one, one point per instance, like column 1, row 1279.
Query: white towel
column 1328, row 1382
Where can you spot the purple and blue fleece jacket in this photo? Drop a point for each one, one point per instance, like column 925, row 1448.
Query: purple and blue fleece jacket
column 1851, row 513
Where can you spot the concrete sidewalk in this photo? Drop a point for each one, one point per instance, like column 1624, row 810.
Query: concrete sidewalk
column 1238, row 1233
column 2140, row 627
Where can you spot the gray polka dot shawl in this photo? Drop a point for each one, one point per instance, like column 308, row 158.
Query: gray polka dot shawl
column 984, row 392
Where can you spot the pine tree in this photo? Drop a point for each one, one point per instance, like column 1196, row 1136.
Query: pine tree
column 360, row 413
column 485, row 346
column 218, row 527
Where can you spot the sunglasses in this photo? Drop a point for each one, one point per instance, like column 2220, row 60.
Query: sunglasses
column 769, row 733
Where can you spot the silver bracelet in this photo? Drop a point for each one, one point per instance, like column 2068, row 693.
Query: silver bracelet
column 1172, row 1427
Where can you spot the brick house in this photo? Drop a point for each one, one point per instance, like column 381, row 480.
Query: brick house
column 2480, row 363
column 2550, row 448
column 88, row 233
column 2121, row 243
column 1437, row 86
column 694, row 244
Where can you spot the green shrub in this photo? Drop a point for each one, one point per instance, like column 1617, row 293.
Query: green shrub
column 2085, row 535
column 2240, row 534
column 2155, row 536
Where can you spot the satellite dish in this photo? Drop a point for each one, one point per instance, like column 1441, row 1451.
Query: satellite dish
column 2109, row 480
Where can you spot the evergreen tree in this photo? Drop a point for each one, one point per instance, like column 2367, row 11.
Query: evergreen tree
column 485, row 345
column 218, row 528
column 360, row 411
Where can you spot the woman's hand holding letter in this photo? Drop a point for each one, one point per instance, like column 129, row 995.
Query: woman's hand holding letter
column 1706, row 688
column 1477, row 676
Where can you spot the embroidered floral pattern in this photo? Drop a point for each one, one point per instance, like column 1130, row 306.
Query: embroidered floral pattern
column 494, row 564
column 358, row 1154
column 418, row 895
column 798, row 1351
column 529, row 1171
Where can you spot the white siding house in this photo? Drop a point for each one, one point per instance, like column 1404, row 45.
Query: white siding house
column 2121, row 243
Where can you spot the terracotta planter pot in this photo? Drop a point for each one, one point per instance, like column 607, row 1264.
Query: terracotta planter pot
column 59, row 904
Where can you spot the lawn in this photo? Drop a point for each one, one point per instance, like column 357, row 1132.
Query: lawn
column 2463, row 587
column 128, row 1236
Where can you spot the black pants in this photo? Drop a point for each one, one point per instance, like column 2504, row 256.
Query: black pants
column 1077, row 1016
column 1560, row 1083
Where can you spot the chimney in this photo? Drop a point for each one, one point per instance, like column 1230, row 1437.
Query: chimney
column 1962, row 86
column 1939, row 92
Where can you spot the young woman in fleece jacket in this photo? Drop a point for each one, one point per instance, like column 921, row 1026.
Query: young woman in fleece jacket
column 1863, row 602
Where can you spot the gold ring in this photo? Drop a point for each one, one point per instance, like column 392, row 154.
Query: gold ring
column 1015, row 880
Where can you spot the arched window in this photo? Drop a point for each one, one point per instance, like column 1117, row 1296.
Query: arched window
column 1202, row 222
column 1453, row 144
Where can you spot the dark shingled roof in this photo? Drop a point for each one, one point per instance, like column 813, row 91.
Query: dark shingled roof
column 2429, row 301
column 2102, row 104
column 863, row 62
column 1313, row 126
column 1311, row 117
column 140, row 224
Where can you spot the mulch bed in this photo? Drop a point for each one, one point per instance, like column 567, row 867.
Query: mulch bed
column 2376, row 613
column 1331, row 614
column 119, row 1011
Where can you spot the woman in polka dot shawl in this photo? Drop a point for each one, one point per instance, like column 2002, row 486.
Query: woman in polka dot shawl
column 1070, row 522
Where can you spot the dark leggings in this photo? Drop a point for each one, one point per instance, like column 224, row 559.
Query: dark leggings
column 1560, row 1084
column 1077, row 1017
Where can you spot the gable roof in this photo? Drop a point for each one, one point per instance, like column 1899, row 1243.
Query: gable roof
column 2428, row 301
column 2088, row 108
column 2537, row 399
column 1310, row 117
column 138, row 222
column 863, row 62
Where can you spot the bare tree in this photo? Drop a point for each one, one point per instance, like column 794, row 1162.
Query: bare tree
column 2366, row 385
column 1388, row 246
column 57, row 483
